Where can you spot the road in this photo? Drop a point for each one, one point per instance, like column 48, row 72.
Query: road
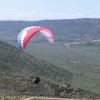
column 46, row 98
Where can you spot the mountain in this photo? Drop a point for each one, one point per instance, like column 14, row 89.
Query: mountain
column 64, row 27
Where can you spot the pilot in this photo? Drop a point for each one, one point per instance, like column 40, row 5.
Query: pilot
column 36, row 80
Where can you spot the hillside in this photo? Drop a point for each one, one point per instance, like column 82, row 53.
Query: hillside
column 16, row 62
column 18, row 69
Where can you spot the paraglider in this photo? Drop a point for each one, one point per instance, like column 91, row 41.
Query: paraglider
column 28, row 32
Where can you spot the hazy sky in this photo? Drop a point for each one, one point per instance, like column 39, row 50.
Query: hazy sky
column 48, row 9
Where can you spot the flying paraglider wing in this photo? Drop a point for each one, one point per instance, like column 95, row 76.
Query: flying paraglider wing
column 26, row 34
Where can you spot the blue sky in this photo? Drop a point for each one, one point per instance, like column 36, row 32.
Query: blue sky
column 32, row 10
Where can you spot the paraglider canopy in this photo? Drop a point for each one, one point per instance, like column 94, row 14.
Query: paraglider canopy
column 26, row 34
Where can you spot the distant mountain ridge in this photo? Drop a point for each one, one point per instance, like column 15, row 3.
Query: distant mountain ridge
column 62, row 27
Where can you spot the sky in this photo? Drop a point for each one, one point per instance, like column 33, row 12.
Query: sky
column 33, row 10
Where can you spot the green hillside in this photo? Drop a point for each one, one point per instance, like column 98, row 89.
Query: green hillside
column 18, row 69
column 15, row 62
